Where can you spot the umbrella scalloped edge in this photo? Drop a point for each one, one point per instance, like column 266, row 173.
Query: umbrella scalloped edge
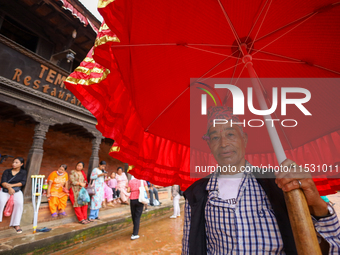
column 98, row 84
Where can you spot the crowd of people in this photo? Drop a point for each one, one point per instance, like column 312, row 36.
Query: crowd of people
column 108, row 190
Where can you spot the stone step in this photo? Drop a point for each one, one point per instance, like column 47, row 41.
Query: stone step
column 44, row 214
column 65, row 235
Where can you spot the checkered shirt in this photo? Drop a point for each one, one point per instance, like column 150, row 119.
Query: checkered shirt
column 250, row 227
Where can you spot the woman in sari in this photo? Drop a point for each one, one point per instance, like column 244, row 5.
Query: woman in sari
column 122, row 185
column 98, row 175
column 78, row 180
column 58, row 191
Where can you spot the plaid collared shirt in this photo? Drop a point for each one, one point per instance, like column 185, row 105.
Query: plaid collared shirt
column 250, row 227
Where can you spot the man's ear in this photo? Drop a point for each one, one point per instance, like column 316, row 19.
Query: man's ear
column 245, row 139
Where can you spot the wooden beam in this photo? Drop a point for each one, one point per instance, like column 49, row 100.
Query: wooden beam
column 60, row 10
column 67, row 14
column 85, row 42
column 51, row 15
column 14, row 116
column 32, row 21
column 79, row 6
column 37, row 5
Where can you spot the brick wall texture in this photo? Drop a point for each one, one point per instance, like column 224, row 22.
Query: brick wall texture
column 59, row 148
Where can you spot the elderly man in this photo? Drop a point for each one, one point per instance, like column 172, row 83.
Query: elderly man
column 241, row 212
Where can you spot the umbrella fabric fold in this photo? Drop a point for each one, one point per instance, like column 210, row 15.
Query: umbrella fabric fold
column 139, row 101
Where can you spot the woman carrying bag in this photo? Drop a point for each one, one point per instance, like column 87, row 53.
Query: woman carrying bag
column 12, row 182
column 78, row 181
column 98, row 176
column 136, row 207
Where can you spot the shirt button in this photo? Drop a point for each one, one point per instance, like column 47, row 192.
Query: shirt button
column 260, row 213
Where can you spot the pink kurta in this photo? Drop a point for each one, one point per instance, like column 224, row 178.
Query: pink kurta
column 107, row 193
column 122, row 182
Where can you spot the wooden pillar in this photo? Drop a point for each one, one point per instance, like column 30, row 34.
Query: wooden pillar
column 35, row 156
column 125, row 170
column 94, row 159
column 126, row 167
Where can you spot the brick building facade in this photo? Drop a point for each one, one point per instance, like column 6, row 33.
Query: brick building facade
column 59, row 148
column 41, row 42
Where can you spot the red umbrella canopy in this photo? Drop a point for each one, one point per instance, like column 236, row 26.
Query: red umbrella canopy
column 136, row 80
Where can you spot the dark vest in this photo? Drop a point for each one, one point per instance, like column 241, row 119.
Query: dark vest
column 197, row 197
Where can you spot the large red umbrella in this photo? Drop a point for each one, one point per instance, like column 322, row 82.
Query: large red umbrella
column 153, row 49
column 137, row 84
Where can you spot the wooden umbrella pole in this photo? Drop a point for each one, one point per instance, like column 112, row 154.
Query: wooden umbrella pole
column 303, row 229
column 299, row 215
